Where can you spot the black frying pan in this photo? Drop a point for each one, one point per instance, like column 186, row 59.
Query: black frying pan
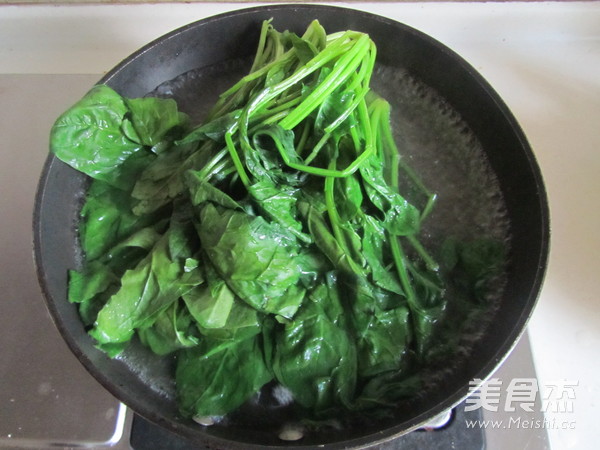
column 231, row 36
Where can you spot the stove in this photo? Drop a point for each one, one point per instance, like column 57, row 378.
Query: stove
column 47, row 399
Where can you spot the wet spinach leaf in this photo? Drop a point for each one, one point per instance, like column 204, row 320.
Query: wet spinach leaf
column 314, row 355
column 218, row 376
column 255, row 258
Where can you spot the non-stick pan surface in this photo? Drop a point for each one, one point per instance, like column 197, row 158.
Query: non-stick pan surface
column 233, row 36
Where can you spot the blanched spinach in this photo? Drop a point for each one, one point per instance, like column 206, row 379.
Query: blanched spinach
column 314, row 355
column 157, row 281
column 106, row 136
column 257, row 259
column 218, row 376
column 270, row 242
column 173, row 329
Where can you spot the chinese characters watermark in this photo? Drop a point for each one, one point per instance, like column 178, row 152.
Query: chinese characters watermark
column 521, row 393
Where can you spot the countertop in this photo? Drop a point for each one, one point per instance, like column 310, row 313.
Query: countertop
column 542, row 58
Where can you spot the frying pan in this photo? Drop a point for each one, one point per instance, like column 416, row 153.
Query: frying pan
column 233, row 36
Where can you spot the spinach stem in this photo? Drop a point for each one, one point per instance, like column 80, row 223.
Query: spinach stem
column 210, row 164
column 303, row 138
column 317, row 148
column 429, row 206
column 396, row 162
column 236, row 158
column 342, row 70
column 387, row 144
column 399, row 261
column 431, row 264
column 219, row 169
column 335, row 220
column 258, row 59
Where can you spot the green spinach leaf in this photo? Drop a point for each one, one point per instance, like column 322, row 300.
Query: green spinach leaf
column 257, row 259
column 217, row 376
column 314, row 355
column 172, row 330
column 152, row 286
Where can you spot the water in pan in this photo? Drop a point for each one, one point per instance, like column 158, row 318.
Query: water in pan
column 431, row 137
column 437, row 143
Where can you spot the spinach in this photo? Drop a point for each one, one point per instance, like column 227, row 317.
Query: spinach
column 381, row 324
column 172, row 330
column 107, row 218
column 153, row 118
column 162, row 181
column 314, row 355
column 218, row 376
column 255, row 258
column 95, row 136
column 210, row 303
column 91, row 288
column 105, row 136
column 278, row 203
column 152, row 286
column 271, row 242
column 473, row 264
